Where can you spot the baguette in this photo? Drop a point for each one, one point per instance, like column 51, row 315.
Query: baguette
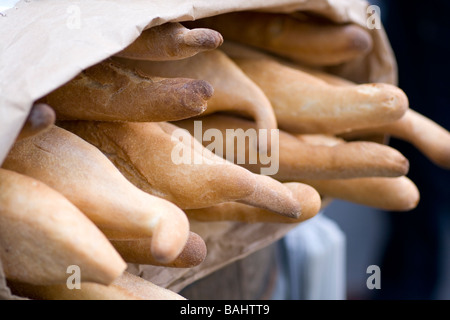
column 109, row 91
column 146, row 154
column 311, row 42
column 91, row 182
column 390, row 194
column 42, row 234
column 40, row 118
column 299, row 159
column 171, row 41
column 125, row 287
column 138, row 251
column 234, row 92
column 306, row 104
column 423, row 133
column 234, row 211
column 241, row 51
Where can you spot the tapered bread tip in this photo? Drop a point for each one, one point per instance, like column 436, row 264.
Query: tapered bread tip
column 197, row 94
column 309, row 198
column 359, row 40
column 170, row 237
column 408, row 195
column 194, row 252
column 138, row 251
column 392, row 99
column 399, row 163
column 272, row 195
column 203, row 38
column 40, row 118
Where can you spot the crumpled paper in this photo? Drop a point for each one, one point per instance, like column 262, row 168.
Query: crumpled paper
column 45, row 43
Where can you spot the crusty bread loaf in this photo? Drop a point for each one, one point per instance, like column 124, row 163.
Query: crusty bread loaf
column 423, row 133
column 89, row 180
column 234, row 92
column 307, row 40
column 109, row 91
column 125, row 287
column 145, row 153
column 393, row 194
column 300, row 159
column 138, row 251
column 42, row 234
column 233, row 211
column 306, row 104
column 171, row 41
column 40, row 118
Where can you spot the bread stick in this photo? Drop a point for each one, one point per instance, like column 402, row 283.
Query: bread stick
column 89, row 180
column 242, row 51
column 306, row 104
column 316, row 43
column 148, row 154
column 234, row 92
column 40, row 118
column 299, row 159
column 390, row 194
column 108, row 91
column 171, row 41
column 125, row 287
column 423, row 133
column 42, row 234
column 138, row 251
column 233, row 211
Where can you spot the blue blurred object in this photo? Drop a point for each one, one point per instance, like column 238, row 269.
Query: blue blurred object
column 313, row 262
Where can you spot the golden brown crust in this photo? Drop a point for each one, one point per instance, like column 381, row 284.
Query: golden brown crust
column 426, row 135
column 300, row 159
column 125, row 287
column 233, row 211
column 89, row 180
column 108, row 91
column 317, row 43
column 393, row 194
column 138, row 251
column 208, row 178
column 42, row 234
column 40, row 118
column 234, row 92
column 171, row 41
column 306, row 104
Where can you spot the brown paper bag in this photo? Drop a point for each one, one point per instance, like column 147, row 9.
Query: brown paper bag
column 44, row 44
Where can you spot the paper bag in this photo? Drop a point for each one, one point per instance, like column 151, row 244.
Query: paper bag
column 45, row 43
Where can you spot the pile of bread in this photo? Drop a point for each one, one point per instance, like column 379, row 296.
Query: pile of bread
column 90, row 181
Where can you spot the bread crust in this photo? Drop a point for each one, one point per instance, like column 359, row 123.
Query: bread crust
column 143, row 153
column 171, row 41
column 311, row 42
column 108, row 91
column 42, row 234
column 300, row 158
column 91, row 182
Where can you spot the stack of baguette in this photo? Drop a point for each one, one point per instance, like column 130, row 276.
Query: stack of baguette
column 90, row 181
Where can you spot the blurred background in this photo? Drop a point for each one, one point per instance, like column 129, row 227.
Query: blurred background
column 411, row 248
